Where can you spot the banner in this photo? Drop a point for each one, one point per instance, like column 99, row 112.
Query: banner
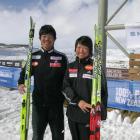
column 133, row 36
column 11, row 63
column 9, row 76
column 124, row 94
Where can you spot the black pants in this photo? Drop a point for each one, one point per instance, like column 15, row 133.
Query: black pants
column 79, row 131
column 52, row 115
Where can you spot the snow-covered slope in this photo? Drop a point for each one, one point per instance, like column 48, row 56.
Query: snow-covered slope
column 112, row 129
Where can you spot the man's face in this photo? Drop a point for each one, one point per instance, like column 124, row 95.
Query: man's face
column 82, row 51
column 47, row 41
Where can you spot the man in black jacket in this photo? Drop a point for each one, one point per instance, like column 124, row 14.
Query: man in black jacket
column 77, row 88
column 48, row 68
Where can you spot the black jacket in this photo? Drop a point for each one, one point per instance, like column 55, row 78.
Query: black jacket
column 48, row 69
column 77, row 86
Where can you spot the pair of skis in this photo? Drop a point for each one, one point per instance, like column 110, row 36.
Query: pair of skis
column 25, row 109
column 95, row 114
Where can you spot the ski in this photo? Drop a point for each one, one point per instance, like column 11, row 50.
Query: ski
column 25, row 108
column 95, row 114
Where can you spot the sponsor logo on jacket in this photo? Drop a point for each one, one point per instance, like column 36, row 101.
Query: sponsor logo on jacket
column 56, row 58
column 34, row 64
column 88, row 76
column 73, row 72
column 88, row 67
column 36, row 57
column 55, row 64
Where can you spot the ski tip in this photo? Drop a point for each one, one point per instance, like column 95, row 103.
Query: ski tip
column 32, row 24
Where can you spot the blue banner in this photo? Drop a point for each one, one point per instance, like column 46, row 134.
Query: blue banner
column 9, row 76
column 124, row 94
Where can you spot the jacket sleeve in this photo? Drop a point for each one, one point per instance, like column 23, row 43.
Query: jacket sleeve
column 104, row 96
column 22, row 76
column 68, row 91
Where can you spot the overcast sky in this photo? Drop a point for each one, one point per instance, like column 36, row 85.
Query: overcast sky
column 70, row 18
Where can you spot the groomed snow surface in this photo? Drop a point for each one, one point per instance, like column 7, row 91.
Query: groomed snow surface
column 112, row 129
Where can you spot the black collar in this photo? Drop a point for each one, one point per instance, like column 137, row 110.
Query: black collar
column 87, row 60
column 50, row 51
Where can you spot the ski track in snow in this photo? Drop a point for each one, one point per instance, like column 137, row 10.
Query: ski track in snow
column 112, row 129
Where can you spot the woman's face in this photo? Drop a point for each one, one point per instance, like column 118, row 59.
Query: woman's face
column 82, row 51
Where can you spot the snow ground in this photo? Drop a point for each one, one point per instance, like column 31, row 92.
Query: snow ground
column 112, row 129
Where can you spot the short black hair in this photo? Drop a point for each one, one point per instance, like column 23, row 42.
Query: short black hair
column 85, row 40
column 47, row 29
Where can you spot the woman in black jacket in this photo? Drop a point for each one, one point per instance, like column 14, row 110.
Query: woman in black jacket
column 77, row 88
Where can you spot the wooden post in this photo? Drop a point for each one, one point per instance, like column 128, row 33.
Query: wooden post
column 134, row 67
